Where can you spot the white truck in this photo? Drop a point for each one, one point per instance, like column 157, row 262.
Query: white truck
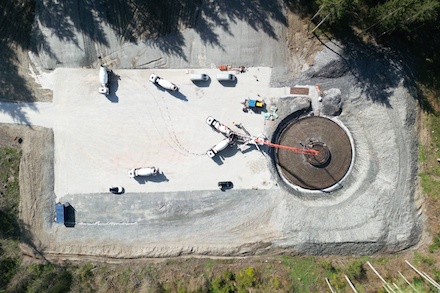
column 163, row 83
column 145, row 171
column 218, row 147
column 220, row 127
column 104, row 80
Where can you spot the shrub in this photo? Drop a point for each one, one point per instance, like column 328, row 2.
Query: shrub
column 223, row 284
column 48, row 278
column 419, row 257
column 355, row 269
column 435, row 245
column 328, row 267
column 8, row 268
column 276, row 283
column 246, row 279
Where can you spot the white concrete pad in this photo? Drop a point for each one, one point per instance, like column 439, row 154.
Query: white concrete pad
column 98, row 138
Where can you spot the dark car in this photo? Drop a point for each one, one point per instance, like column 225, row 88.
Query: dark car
column 116, row 189
column 222, row 185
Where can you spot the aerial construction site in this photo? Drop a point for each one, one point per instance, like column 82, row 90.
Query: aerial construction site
column 216, row 146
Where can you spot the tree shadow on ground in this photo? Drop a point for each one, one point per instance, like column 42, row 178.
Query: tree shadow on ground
column 140, row 20
column 18, row 111
column 14, row 42
column 258, row 14
column 377, row 70
column 9, row 226
column 304, row 8
column 169, row 45
column 420, row 52
column 411, row 55
column 27, row 238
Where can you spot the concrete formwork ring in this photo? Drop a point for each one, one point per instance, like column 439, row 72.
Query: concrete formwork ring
column 307, row 173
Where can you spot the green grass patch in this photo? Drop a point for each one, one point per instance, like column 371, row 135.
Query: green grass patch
column 209, row 264
column 420, row 258
column 428, row 156
column 9, row 189
column 435, row 246
column 304, row 273
column 430, row 184
column 422, row 153
column 41, row 278
column 434, row 124
column 355, row 269
column 9, row 193
column 9, row 228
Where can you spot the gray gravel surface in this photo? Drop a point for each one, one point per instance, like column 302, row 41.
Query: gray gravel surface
column 221, row 32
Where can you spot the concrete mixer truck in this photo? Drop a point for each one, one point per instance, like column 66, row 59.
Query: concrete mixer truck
column 144, row 171
column 104, row 80
column 163, row 83
column 218, row 147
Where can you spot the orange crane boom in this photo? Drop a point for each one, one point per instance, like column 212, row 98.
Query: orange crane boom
column 294, row 149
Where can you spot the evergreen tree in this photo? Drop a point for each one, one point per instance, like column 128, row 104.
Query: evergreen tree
column 335, row 10
column 404, row 14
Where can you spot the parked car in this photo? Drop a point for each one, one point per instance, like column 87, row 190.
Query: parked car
column 222, row 185
column 116, row 189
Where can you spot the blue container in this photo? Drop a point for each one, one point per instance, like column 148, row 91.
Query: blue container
column 59, row 210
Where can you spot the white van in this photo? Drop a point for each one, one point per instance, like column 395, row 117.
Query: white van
column 199, row 77
column 225, row 77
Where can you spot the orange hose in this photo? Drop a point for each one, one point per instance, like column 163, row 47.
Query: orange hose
column 294, row 149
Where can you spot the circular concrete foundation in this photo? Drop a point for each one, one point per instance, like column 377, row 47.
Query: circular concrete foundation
column 313, row 171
